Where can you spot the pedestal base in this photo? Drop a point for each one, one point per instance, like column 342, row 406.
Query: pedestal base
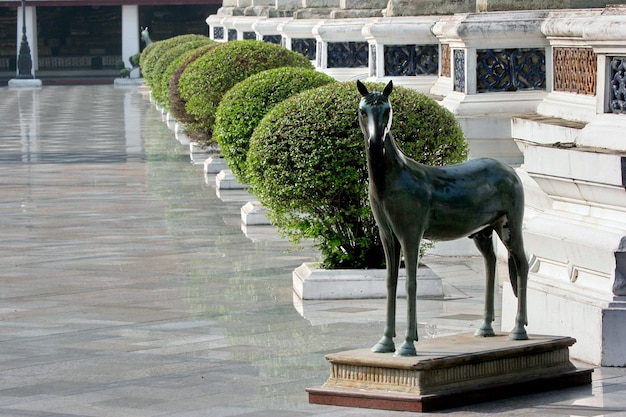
column 24, row 83
column 449, row 372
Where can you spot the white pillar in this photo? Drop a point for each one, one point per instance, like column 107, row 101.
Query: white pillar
column 31, row 33
column 130, row 32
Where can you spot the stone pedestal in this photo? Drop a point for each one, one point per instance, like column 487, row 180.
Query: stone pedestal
column 24, row 83
column 448, row 372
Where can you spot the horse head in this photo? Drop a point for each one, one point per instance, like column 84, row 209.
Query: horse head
column 375, row 115
column 145, row 35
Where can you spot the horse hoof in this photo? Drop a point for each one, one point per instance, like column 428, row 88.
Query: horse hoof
column 519, row 333
column 484, row 333
column 485, row 330
column 407, row 349
column 384, row 345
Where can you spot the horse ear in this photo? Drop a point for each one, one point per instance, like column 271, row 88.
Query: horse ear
column 362, row 88
column 388, row 89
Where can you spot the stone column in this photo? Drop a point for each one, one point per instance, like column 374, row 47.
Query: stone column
column 342, row 51
column 403, row 48
column 31, row 33
column 495, row 67
column 574, row 168
column 130, row 33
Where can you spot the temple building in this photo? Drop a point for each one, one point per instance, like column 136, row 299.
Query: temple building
column 89, row 38
column 540, row 85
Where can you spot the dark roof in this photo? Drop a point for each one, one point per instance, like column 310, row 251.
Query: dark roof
column 15, row 3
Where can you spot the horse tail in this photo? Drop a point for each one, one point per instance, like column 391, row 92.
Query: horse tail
column 513, row 274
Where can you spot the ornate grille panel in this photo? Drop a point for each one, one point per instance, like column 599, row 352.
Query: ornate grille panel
column 445, row 60
column 403, row 60
column 347, row 54
column 218, row 32
column 459, row 70
column 617, row 85
column 575, row 70
column 510, row 69
column 277, row 39
column 305, row 46
column 232, row 34
column 250, row 36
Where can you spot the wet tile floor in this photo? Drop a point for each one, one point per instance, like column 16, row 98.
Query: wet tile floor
column 129, row 288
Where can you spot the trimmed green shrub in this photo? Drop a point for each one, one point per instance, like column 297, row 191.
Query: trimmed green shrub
column 134, row 60
column 144, row 58
column 208, row 78
column 153, row 52
column 166, row 65
column 176, row 103
column 244, row 105
column 307, row 166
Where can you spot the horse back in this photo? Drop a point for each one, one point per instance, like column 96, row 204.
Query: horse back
column 468, row 197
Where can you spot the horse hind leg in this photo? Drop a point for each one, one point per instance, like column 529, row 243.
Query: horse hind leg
column 513, row 273
column 511, row 236
column 484, row 243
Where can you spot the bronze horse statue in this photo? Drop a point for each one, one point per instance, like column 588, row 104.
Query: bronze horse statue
column 411, row 201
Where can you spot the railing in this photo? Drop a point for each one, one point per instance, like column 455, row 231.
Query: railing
column 79, row 62
column 472, row 54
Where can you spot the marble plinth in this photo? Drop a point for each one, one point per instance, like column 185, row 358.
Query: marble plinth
column 311, row 283
column 448, row 372
column 24, row 83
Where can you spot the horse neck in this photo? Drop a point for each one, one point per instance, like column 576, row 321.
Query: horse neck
column 385, row 164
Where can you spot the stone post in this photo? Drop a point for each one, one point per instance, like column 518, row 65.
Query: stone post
column 130, row 34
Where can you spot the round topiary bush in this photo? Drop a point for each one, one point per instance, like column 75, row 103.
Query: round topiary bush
column 307, row 166
column 153, row 52
column 244, row 105
column 144, row 60
column 208, row 78
column 166, row 64
column 175, row 102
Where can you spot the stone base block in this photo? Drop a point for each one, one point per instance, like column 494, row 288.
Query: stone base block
column 254, row 214
column 179, row 132
column 197, row 154
column 225, row 180
column 214, row 164
column 596, row 323
column 24, row 83
column 127, row 82
column 311, row 283
column 448, row 372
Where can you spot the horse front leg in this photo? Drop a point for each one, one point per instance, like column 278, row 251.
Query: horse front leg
column 392, row 257
column 411, row 254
